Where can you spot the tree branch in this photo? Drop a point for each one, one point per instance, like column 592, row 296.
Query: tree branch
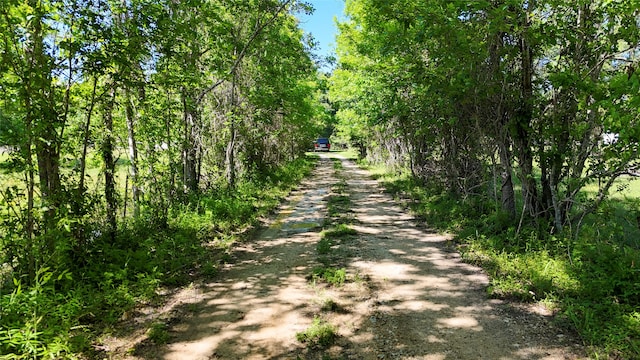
column 244, row 50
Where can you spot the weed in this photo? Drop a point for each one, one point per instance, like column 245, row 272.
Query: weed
column 333, row 276
column 158, row 333
column 357, row 278
column 208, row 269
column 319, row 335
column 330, row 305
column 324, row 246
column 340, row 187
column 339, row 231
column 338, row 205
column 38, row 323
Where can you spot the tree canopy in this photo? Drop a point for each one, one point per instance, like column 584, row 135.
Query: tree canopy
column 187, row 96
column 462, row 90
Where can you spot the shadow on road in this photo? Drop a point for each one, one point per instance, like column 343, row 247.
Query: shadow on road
column 416, row 299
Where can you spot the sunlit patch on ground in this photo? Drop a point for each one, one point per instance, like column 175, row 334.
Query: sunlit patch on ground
column 408, row 296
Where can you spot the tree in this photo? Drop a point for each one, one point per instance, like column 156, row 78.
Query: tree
column 532, row 81
column 87, row 83
column 29, row 58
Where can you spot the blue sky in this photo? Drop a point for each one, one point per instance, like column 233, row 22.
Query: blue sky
column 321, row 23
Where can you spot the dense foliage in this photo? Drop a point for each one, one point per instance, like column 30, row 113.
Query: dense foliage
column 518, row 119
column 462, row 91
column 132, row 133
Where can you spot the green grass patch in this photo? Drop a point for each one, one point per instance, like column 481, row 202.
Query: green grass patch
column 329, row 275
column 339, row 208
column 349, row 154
column 339, row 203
column 158, row 333
column 339, row 231
column 625, row 187
column 334, row 243
column 320, row 334
column 340, row 187
column 527, row 276
column 337, row 164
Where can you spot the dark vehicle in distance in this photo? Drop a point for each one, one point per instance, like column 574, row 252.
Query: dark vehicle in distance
column 322, row 144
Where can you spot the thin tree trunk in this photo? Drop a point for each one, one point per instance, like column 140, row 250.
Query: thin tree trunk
column 522, row 133
column 557, row 208
column 172, row 163
column 230, row 153
column 508, row 202
column 85, row 141
column 109, row 167
column 190, row 144
column 78, row 202
column 30, row 181
column 126, row 197
column 133, row 153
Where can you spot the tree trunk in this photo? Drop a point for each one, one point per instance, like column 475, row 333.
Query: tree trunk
column 500, row 120
column 557, row 208
column 522, row 132
column 190, row 143
column 133, row 153
column 231, row 145
column 40, row 94
column 508, row 198
column 85, row 142
column 78, row 202
column 173, row 163
column 109, row 167
column 230, row 156
column 29, row 228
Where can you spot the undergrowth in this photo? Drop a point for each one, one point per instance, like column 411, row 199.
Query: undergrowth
column 63, row 311
column 592, row 279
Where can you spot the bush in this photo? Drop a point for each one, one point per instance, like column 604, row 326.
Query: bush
column 37, row 322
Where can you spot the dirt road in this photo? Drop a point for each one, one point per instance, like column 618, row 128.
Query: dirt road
column 407, row 295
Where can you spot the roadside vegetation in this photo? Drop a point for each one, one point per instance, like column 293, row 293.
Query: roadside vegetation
column 138, row 141
column 64, row 310
column 589, row 280
column 319, row 335
column 512, row 124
